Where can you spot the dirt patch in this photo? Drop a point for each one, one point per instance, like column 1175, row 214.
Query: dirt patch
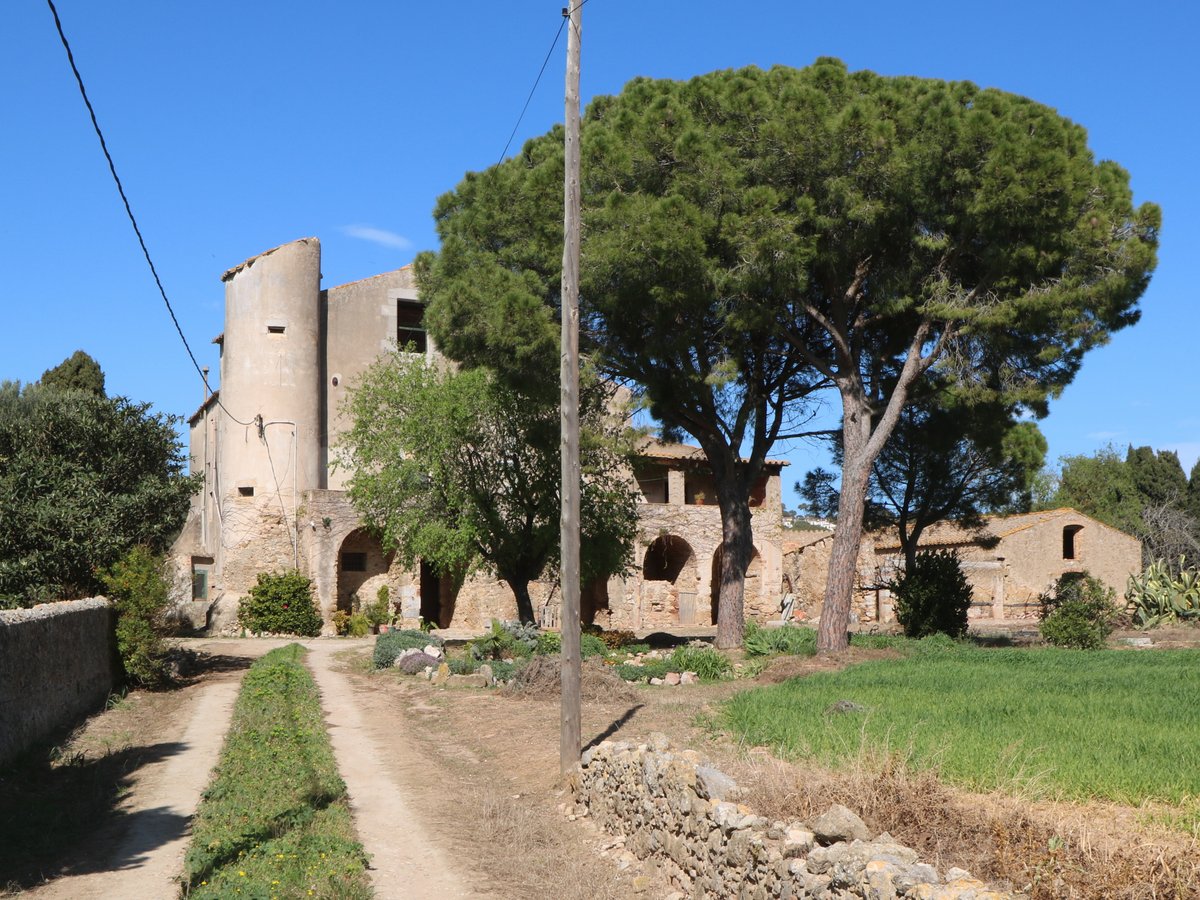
column 1176, row 636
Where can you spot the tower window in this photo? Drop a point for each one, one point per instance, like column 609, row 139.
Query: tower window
column 246, row 490
column 276, row 329
column 410, row 328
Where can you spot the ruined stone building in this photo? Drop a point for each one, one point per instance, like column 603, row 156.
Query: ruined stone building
column 1009, row 562
column 271, row 501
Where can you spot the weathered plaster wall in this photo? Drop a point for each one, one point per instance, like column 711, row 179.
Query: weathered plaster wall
column 56, row 666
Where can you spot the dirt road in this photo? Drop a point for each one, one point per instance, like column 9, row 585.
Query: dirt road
column 139, row 854
column 406, row 859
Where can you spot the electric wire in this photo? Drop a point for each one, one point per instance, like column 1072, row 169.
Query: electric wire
column 558, row 34
column 129, row 210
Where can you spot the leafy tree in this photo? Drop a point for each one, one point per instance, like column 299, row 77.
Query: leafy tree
column 1191, row 500
column 932, row 595
column 78, row 372
column 751, row 237
column 83, row 478
column 1157, row 476
column 946, row 228
column 461, row 470
column 1101, row 486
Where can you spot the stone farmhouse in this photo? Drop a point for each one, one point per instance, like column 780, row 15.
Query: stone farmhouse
column 1009, row 562
column 270, row 500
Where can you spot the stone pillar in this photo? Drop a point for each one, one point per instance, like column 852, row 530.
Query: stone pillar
column 676, row 487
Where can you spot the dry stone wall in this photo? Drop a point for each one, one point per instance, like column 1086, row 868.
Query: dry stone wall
column 56, row 666
column 671, row 809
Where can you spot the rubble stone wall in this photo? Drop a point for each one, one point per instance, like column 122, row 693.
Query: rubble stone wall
column 56, row 666
column 670, row 809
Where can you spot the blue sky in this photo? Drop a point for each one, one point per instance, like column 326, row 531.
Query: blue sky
column 240, row 126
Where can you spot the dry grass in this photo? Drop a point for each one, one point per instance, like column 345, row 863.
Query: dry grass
column 540, row 679
column 1046, row 849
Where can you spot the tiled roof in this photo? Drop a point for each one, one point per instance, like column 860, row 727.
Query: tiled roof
column 950, row 534
column 652, row 448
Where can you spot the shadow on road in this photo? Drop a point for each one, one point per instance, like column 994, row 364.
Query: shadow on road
column 49, row 806
column 615, row 726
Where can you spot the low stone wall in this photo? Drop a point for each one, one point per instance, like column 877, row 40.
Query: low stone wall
column 672, row 810
column 56, row 666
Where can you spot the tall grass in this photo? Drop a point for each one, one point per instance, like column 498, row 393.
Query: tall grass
column 274, row 822
column 1116, row 725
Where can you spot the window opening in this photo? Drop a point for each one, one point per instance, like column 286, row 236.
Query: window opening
column 246, row 491
column 1070, row 551
column 410, row 328
column 275, row 329
column 354, row 561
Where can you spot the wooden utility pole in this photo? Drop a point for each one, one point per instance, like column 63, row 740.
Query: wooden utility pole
column 570, row 740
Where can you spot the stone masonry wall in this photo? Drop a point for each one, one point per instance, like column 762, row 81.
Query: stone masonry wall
column 673, row 811
column 56, row 666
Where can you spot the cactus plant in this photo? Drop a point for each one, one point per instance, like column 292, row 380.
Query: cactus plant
column 1156, row 597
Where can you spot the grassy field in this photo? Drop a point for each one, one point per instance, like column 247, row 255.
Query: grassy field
column 274, row 822
column 1117, row 725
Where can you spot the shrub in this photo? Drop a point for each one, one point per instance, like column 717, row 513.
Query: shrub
column 140, row 594
column 464, row 665
column 613, row 640
column 504, row 671
column 358, row 625
column 790, row 639
column 505, row 640
column 1078, row 612
column 415, row 662
column 379, row 612
column 389, row 646
column 934, row 596
column 280, row 603
column 707, row 663
column 549, row 643
column 590, row 645
column 340, row 620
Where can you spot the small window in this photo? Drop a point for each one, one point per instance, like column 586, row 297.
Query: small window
column 410, row 328
column 354, row 562
column 199, row 585
column 276, row 329
column 246, row 491
column 1070, row 532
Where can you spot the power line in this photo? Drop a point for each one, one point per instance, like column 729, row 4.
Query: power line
column 128, row 210
column 565, row 18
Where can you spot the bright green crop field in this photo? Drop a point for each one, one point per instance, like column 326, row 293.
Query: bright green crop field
column 1119, row 725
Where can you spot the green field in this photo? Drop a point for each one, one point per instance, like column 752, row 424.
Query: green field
column 274, row 822
column 1113, row 724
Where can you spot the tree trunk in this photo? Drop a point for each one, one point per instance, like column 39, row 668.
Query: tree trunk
column 832, row 633
column 736, row 547
column 520, row 590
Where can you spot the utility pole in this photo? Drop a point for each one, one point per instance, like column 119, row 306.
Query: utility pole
column 571, row 739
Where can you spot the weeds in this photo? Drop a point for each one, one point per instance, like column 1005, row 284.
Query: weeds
column 274, row 821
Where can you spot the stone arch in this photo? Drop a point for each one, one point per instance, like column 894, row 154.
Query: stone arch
column 753, row 588
column 669, row 578
column 362, row 568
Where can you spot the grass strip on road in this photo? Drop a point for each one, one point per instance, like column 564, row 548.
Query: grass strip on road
column 275, row 821
column 1116, row 724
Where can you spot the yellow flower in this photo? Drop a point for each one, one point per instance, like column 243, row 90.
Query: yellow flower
column 241, row 873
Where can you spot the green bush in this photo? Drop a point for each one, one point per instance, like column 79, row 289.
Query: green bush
column 379, row 612
column 707, row 663
column 358, row 625
column 549, row 643
column 590, row 645
column 140, row 594
column 934, row 597
column 1078, row 612
column 503, row 641
column 389, row 646
column 790, row 639
column 280, row 603
column 464, row 665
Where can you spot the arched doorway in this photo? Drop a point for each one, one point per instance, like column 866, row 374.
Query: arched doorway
column 362, row 569
column 593, row 600
column 669, row 576
column 438, row 595
column 751, row 593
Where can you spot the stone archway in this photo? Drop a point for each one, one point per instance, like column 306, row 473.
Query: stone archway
column 752, row 591
column 669, row 577
column 362, row 569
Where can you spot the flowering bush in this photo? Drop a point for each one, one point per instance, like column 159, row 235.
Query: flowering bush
column 280, row 603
